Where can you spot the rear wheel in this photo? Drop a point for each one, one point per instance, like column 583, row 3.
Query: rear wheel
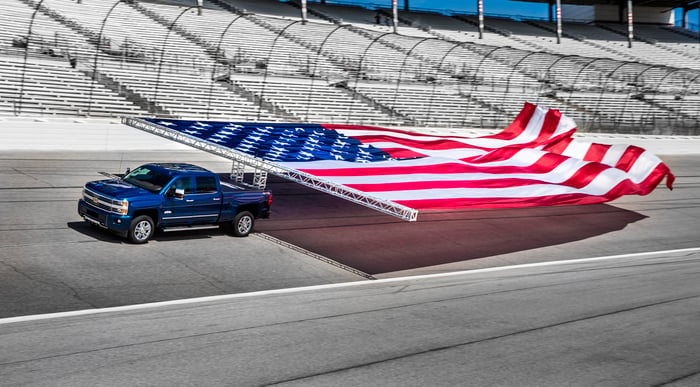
column 242, row 224
column 141, row 229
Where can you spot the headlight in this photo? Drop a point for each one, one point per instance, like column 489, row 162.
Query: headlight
column 124, row 208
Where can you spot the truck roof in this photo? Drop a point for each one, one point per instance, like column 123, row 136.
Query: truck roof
column 177, row 168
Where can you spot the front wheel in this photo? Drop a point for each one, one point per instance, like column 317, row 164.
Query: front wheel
column 242, row 224
column 141, row 229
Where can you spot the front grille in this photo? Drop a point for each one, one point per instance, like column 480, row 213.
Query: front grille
column 102, row 202
column 94, row 215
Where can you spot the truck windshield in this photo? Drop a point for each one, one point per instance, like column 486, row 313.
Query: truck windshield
column 148, row 179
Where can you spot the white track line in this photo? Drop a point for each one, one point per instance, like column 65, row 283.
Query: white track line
column 186, row 301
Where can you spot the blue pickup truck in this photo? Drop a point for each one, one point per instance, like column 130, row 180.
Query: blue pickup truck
column 171, row 197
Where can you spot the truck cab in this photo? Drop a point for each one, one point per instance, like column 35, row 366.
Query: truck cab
column 170, row 197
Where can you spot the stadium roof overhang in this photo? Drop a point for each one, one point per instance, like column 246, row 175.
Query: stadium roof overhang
column 636, row 3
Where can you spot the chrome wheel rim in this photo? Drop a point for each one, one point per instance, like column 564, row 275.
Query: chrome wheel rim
column 142, row 230
column 244, row 224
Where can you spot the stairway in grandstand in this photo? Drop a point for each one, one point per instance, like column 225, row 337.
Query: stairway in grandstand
column 254, row 60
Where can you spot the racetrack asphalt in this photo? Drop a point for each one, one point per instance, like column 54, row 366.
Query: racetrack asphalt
column 628, row 318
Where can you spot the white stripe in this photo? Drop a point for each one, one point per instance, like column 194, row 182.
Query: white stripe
column 643, row 166
column 577, row 149
column 187, row 301
column 557, row 175
column 528, row 191
column 565, row 124
column 534, row 126
column 522, row 158
column 531, row 132
column 459, row 153
column 613, row 155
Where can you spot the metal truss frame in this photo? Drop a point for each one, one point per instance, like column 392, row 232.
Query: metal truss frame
column 263, row 167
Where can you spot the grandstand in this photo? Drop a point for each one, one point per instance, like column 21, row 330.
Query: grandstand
column 245, row 60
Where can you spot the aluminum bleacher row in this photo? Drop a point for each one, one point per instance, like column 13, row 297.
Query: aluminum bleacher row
column 254, row 60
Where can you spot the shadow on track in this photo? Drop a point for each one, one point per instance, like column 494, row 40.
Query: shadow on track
column 160, row 236
column 376, row 243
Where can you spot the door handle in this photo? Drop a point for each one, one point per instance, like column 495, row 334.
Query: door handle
column 189, row 200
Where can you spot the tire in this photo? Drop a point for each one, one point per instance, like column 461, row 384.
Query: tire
column 141, row 229
column 242, row 224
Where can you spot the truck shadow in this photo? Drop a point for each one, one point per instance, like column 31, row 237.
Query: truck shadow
column 376, row 243
column 160, row 236
column 94, row 232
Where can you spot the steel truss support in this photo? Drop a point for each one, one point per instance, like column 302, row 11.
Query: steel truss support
column 260, row 178
column 263, row 167
column 237, row 171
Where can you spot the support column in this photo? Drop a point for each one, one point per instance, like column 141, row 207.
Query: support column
column 480, row 11
column 559, row 21
column 303, row 12
column 395, row 12
column 630, row 24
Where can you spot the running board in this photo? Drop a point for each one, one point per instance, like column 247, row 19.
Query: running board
column 183, row 228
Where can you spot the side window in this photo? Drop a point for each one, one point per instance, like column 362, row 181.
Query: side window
column 206, row 184
column 182, row 183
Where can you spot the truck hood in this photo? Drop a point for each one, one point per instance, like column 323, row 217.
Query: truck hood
column 116, row 188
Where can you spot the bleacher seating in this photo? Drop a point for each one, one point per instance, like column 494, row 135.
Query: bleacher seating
column 54, row 88
column 255, row 60
column 315, row 101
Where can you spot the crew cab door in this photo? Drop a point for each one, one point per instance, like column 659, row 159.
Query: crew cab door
column 191, row 200
column 207, row 199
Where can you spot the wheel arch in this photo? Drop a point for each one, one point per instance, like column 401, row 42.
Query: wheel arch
column 253, row 208
column 150, row 212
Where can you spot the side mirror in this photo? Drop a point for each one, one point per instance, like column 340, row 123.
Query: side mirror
column 176, row 193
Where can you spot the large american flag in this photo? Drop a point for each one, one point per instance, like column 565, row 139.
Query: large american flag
column 535, row 161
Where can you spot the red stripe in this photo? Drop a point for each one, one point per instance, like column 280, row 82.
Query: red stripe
column 376, row 128
column 560, row 145
column 552, row 200
column 545, row 164
column 517, row 127
column 581, row 178
column 655, row 177
column 585, row 175
column 629, row 157
column 549, row 126
column 428, row 144
column 596, row 152
column 402, row 153
column 545, row 132
column 549, row 200
column 446, row 184
column 500, row 154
